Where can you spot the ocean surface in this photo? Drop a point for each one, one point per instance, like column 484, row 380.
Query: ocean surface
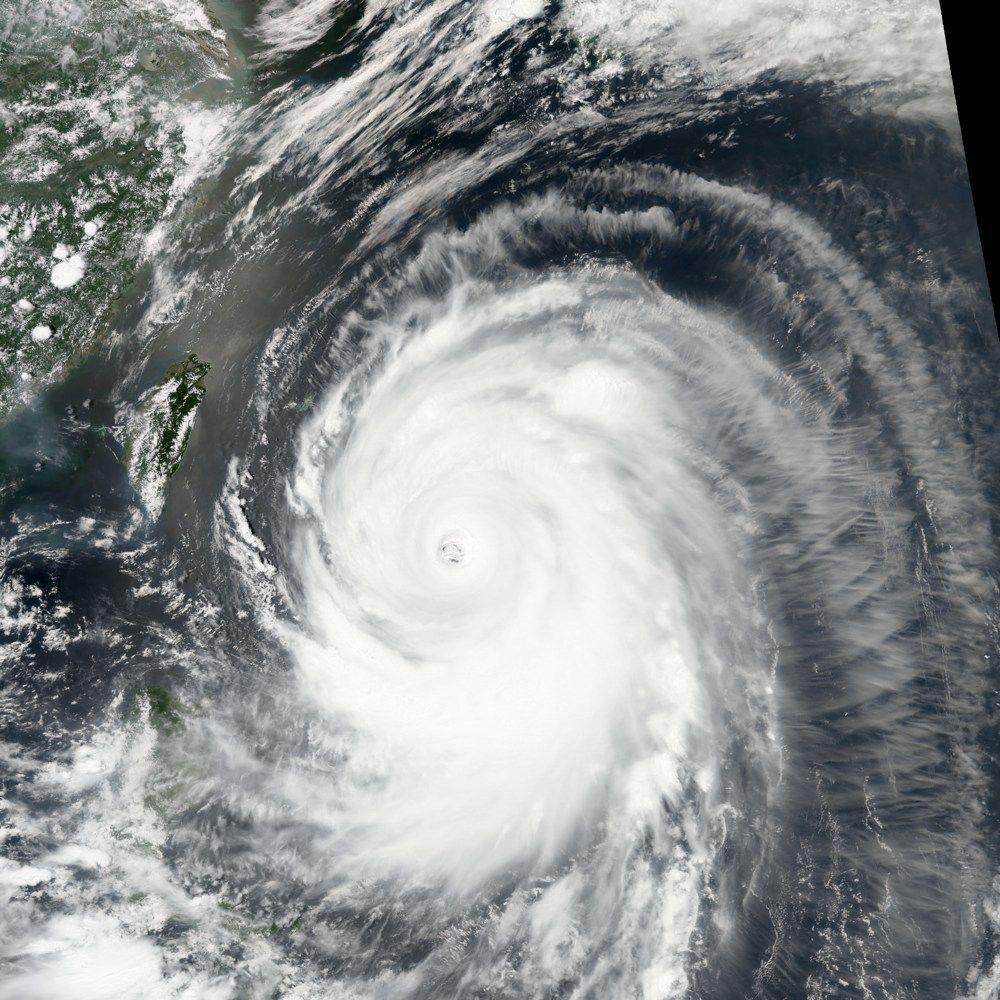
column 498, row 500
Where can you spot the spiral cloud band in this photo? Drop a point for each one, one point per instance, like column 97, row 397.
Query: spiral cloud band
column 541, row 530
column 522, row 566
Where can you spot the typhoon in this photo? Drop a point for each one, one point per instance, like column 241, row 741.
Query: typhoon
column 500, row 502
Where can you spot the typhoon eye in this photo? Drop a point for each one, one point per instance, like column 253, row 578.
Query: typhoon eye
column 453, row 551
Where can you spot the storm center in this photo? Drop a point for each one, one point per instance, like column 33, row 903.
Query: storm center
column 453, row 551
